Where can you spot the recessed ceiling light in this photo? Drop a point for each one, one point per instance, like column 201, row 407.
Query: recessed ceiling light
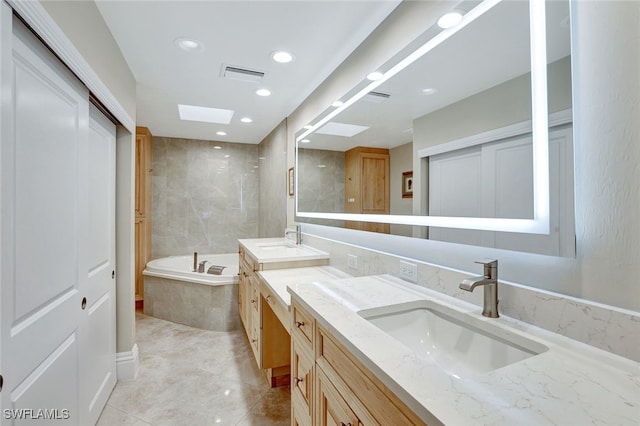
column 429, row 91
column 246, row 120
column 206, row 114
column 305, row 140
column 376, row 75
column 189, row 44
column 308, row 126
column 221, row 133
column 263, row 92
column 322, row 166
column 450, row 19
column 337, row 104
column 217, row 147
column 282, row 56
column 227, row 155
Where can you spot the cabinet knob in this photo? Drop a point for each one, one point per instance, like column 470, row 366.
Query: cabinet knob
column 299, row 380
column 253, row 300
column 299, row 324
column 345, row 424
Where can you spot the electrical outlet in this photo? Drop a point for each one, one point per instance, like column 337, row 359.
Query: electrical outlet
column 409, row 271
column 352, row 261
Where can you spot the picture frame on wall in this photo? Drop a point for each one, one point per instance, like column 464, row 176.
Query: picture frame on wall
column 291, row 182
column 407, row 184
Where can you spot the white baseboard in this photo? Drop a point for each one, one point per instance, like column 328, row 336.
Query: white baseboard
column 127, row 364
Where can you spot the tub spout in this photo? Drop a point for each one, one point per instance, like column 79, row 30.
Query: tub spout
column 201, row 266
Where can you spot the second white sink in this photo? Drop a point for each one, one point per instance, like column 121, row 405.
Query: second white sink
column 457, row 342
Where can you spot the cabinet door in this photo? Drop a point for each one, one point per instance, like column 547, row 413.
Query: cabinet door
column 331, row 409
column 301, row 380
column 374, row 183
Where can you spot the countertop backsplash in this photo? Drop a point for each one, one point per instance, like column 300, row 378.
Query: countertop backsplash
column 605, row 327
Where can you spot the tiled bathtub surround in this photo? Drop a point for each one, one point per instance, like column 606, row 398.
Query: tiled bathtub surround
column 609, row 328
column 204, row 198
column 210, row 307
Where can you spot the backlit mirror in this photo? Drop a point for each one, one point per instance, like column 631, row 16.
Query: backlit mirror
column 472, row 137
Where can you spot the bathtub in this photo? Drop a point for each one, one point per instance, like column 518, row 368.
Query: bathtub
column 174, row 293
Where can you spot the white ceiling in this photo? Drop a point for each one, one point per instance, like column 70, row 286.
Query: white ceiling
column 491, row 50
column 239, row 33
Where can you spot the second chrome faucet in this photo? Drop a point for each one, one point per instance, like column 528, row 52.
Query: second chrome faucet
column 490, row 283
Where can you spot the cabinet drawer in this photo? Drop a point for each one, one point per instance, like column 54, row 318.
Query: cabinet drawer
column 276, row 305
column 302, row 327
column 374, row 401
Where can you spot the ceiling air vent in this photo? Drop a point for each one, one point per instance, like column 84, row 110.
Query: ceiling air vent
column 242, row 74
column 376, row 97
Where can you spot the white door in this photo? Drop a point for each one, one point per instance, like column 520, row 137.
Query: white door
column 47, row 265
column 98, row 335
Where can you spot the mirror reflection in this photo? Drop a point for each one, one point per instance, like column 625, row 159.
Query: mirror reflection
column 451, row 136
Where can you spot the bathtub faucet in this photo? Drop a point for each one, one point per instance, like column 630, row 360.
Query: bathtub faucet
column 201, row 266
column 195, row 262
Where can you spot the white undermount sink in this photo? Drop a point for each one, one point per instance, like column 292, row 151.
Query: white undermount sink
column 457, row 342
column 274, row 246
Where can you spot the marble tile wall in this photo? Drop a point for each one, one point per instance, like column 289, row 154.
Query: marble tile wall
column 606, row 327
column 205, row 196
column 273, row 183
column 321, row 180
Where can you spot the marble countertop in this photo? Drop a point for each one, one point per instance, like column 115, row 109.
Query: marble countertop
column 279, row 279
column 269, row 250
column 571, row 383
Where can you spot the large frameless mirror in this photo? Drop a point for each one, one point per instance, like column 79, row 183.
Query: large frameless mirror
column 466, row 138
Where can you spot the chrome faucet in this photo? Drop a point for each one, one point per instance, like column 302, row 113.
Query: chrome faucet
column 490, row 282
column 298, row 232
column 201, row 266
column 195, row 262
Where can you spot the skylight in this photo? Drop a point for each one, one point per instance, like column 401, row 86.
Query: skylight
column 205, row 114
column 341, row 129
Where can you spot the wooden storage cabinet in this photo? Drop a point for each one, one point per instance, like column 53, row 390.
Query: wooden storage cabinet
column 343, row 391
column 262, row 318
column 143, row 201
column 367, row 186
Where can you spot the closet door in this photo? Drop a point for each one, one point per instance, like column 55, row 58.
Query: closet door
column 98, row 334
column 43, row 228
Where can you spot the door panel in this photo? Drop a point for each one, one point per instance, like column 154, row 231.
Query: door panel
column 98, row 363
column 43, row 209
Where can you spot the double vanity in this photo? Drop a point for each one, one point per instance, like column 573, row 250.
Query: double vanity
column 379, row 350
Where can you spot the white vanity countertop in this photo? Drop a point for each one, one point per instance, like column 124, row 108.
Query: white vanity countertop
column 569, row 384
column 279, row 279
column 268, row 250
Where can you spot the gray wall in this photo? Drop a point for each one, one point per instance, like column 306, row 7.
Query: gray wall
column 321, row 189
column 204, row 198
column 273, row 182
column 401, row 160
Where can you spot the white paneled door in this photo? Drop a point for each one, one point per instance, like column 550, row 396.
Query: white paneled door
column 57, row 319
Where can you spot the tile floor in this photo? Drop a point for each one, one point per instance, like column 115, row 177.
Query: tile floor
column 195, row 377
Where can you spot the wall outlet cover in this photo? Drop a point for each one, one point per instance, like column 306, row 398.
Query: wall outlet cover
column 409, row 271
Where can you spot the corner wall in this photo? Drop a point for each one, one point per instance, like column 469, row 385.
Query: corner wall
column 273, row 194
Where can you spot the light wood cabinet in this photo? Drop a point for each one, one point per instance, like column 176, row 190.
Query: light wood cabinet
column 344, row 391
column 143, row 206
column 367, row 186
column 265, row 321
